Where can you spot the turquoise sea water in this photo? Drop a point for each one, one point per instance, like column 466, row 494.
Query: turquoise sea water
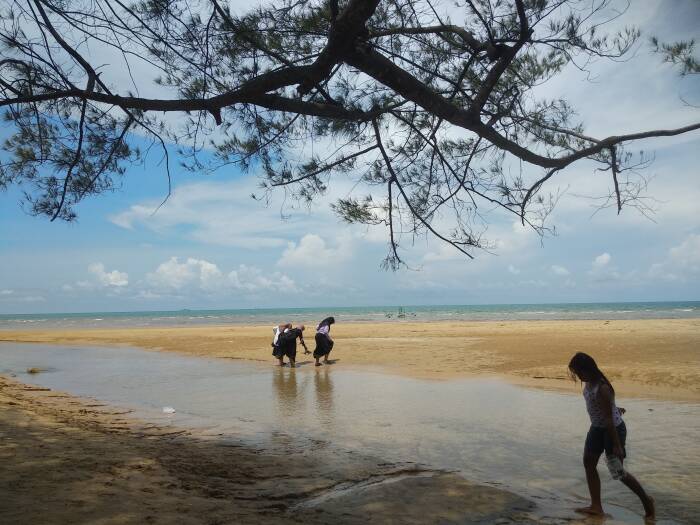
column 497, row 312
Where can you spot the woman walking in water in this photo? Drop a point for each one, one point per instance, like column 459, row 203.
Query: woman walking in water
column 607, row 433
column 324, row 343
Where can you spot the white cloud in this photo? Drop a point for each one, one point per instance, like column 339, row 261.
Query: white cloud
column 253, row 279
column 559, row 270
column 601, row 261
column 176, row 275
column 104, row 278
column 313, row 252
column 682, row 262
column 224, row 214
column 10, row 296
column 603, row 271
column 687, row 254
column 203, row 277
column 504, row 237
column 213, row 213
column 512, row 237
column 512, row 269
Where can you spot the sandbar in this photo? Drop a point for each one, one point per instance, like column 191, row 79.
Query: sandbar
column 644, row 358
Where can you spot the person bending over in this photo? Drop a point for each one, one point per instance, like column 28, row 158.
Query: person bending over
column 276, row 350
column 324, row 342
column 287, row 342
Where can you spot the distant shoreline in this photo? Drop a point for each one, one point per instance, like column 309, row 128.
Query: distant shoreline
column 427, row 313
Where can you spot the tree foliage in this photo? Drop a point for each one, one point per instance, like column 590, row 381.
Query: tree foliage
column 678, row 54
column 431, row 107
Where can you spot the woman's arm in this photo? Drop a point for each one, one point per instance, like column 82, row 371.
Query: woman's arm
column 605, row 401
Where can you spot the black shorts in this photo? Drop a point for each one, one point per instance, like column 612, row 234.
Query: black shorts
column 598, row 440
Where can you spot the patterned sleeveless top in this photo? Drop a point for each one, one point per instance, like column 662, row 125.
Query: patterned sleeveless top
column 590, row 394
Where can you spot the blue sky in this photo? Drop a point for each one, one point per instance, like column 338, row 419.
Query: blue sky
column 211, row 246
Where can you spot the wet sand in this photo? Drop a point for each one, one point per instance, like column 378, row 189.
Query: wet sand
column 69, row 460
column 645, row 358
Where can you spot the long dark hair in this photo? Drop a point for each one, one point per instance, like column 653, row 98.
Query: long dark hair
column 328, row 320
column 584, row 362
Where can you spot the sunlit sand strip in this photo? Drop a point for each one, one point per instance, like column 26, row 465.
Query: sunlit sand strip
column 647, row 358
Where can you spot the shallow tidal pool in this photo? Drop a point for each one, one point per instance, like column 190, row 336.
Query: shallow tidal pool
column 526, row 441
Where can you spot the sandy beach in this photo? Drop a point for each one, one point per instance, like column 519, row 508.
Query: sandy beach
column 645, row 358
column 76, row 460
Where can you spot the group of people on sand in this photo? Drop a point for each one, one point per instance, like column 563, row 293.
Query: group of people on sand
column 284, row 342
column 607, row 432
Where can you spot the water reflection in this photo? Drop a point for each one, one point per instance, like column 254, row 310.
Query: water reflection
column 323, row 387
column 286, row 391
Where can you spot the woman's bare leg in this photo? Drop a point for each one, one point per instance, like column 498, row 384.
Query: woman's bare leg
column 631, row 482
column 590, row 463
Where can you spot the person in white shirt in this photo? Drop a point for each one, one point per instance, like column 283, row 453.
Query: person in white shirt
column 276, row 350
column 287, row 343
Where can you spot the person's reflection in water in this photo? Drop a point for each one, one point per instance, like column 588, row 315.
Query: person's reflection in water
column 324, row 396
column 284, row 382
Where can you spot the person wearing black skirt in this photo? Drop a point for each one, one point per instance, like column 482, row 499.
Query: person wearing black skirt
column 287, row 345
column 324, row 343
column 277, row 352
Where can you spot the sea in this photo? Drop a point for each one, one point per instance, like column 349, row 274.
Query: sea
column 356, row 314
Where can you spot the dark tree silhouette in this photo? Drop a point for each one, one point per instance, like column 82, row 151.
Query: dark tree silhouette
column 431, row 107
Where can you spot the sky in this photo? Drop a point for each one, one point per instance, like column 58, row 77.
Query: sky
column 212, row 246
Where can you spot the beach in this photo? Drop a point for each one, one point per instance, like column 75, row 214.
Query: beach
column 657, row 358
column 333, row 448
